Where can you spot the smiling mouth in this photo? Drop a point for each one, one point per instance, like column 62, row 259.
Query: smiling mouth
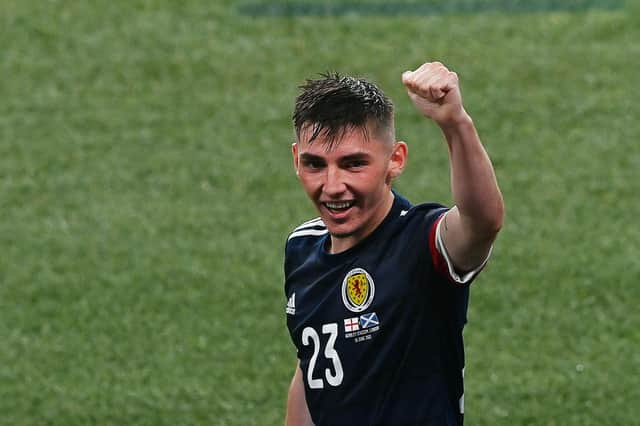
column 338, row 206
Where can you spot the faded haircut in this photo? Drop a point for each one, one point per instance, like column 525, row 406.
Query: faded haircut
column 334, row 104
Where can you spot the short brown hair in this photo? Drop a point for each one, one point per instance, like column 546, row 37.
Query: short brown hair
column 336, row 103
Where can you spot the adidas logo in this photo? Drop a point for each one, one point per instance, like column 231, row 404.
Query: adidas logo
column 291, row 305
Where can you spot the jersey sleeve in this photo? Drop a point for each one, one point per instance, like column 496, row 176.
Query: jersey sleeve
column 289, row 293
column 442, row 261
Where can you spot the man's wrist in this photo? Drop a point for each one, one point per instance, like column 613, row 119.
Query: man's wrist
column 458, row 124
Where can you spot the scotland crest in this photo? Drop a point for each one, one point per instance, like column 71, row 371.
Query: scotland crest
column 357, row 290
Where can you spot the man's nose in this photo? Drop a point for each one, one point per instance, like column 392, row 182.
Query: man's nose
column 334, row 183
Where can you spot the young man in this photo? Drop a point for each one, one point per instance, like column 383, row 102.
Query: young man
column 377, row 288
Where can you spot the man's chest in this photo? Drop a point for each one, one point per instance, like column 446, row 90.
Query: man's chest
column 344, row 318
column 358, row 298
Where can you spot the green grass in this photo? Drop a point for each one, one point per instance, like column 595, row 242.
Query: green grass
column 146, row 192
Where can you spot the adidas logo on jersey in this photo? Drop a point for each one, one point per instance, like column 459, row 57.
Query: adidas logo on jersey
column 291, row 305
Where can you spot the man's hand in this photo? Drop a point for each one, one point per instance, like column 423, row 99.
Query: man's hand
column 436, row 93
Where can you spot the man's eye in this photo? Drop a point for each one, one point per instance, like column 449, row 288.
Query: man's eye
column 311, row 164
column 356, row 164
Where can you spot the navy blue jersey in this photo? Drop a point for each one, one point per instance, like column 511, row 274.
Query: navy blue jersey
column 378, row 327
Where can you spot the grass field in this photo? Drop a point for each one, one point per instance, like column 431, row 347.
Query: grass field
column 146, row 192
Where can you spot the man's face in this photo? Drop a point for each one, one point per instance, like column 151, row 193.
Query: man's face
column 350, row 184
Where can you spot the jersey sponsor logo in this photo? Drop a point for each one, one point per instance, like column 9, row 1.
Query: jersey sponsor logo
column 291, row 305
column 357, row 290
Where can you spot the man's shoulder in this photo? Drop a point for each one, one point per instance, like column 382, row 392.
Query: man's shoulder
column 409, row 213
column 303, row 242
column 311, row 229
column 412, row 225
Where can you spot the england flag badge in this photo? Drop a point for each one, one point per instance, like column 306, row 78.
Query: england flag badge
column 351, row 324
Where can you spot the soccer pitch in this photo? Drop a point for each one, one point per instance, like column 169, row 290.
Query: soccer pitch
column 146, row 191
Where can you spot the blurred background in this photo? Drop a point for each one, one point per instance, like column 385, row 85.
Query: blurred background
column 146, row 192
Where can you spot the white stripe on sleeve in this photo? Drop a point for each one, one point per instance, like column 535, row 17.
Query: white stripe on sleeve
column 455, row 276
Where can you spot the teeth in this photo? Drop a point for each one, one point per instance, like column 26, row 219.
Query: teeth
column 338, row 206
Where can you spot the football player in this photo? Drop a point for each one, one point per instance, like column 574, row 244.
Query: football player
column 377, row 288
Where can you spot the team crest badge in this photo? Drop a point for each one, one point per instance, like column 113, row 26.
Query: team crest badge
column 357, row 290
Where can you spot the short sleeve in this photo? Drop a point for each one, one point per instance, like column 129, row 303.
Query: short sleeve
column 442, row 261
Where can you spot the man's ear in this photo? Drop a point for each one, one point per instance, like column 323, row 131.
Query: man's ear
column 398, row 159
column 294, row 153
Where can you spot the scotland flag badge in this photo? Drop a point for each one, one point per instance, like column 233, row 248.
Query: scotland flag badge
column 369, row 320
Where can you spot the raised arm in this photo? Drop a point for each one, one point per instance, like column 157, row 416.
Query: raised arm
column 297, row 410
column 470, row 227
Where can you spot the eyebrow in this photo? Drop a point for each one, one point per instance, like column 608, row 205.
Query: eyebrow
column 355, row 157
column 351, row 157
column 305, row 156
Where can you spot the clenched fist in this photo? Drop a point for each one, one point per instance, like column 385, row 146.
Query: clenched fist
column 436, row 93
